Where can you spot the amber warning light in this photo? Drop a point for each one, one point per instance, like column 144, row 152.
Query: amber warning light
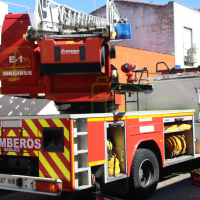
column 47, row 186
column 113, row 34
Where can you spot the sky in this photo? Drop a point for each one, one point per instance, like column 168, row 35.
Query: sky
column 87, row 6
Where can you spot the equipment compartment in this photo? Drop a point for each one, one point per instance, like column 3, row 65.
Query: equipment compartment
column 116, row 135
column 172, row 134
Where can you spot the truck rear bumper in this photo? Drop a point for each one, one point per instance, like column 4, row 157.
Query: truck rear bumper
column 25, row 184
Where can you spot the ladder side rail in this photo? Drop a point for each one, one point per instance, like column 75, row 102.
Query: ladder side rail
column 51, row 15
column 112, row 18
column 81, row 19
column 86, row 20
column 62, row 15
column 55, row 13
column 38, row 17
column 69, row 17
column 112, row 15
column 116, row 13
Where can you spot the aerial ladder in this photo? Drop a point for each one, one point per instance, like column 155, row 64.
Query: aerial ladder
column 66, row 57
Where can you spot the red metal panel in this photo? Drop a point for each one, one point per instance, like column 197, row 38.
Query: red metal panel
column 19, row 59
column 15, row 49
column 22, row 90
column 21, row 141
column 96, row 142
column 80, row 97
column 56, row 164
column 79, row 83
column 14, row 16
column 93, row 54
column 135, row 137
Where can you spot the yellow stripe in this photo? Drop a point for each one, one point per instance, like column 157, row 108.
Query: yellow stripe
column 32, row 126
column 47, row 166
column 159, row 115
column 66, row 154
column 43, row 123
column 11, row 134
column 36, row 153
column 60, row 165
column 114, row 118
column 109, row 119
column 11, row 154
column 142, row 116
column 25, row 133
column 26, row 154
column 100, row 162
column 40, row 174
column 39, row 134
column 60, row 124
column 177, row 114
column 95, row 119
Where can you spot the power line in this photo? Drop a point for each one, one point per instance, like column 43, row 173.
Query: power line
column 16, row 5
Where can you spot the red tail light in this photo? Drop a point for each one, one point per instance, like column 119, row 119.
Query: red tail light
column 47, row 186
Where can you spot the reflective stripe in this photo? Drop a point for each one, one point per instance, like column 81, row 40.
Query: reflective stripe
column 95, row 119
column 143, row 116
column 47, row 166
column 60, row 124
column 32, row 126
column 60, row 165
column 66, row 154
column 100, row 162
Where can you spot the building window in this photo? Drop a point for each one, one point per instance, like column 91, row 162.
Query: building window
column 187, row 38
column 190, row 49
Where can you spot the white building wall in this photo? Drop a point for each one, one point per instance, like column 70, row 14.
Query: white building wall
column 3, row 12
column 185, row 17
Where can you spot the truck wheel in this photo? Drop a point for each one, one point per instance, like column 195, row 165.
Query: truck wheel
column 144, row 174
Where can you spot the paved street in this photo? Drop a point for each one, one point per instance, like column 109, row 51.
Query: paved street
column 175, row 184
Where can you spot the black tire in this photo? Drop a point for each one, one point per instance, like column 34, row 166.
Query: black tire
column 144, row 174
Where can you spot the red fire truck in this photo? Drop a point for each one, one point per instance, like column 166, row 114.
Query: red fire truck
column 66, row 57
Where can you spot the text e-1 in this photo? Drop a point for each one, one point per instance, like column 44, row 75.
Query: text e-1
column 13, row 59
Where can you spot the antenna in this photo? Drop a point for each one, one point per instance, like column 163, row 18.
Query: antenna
column 94, row 4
